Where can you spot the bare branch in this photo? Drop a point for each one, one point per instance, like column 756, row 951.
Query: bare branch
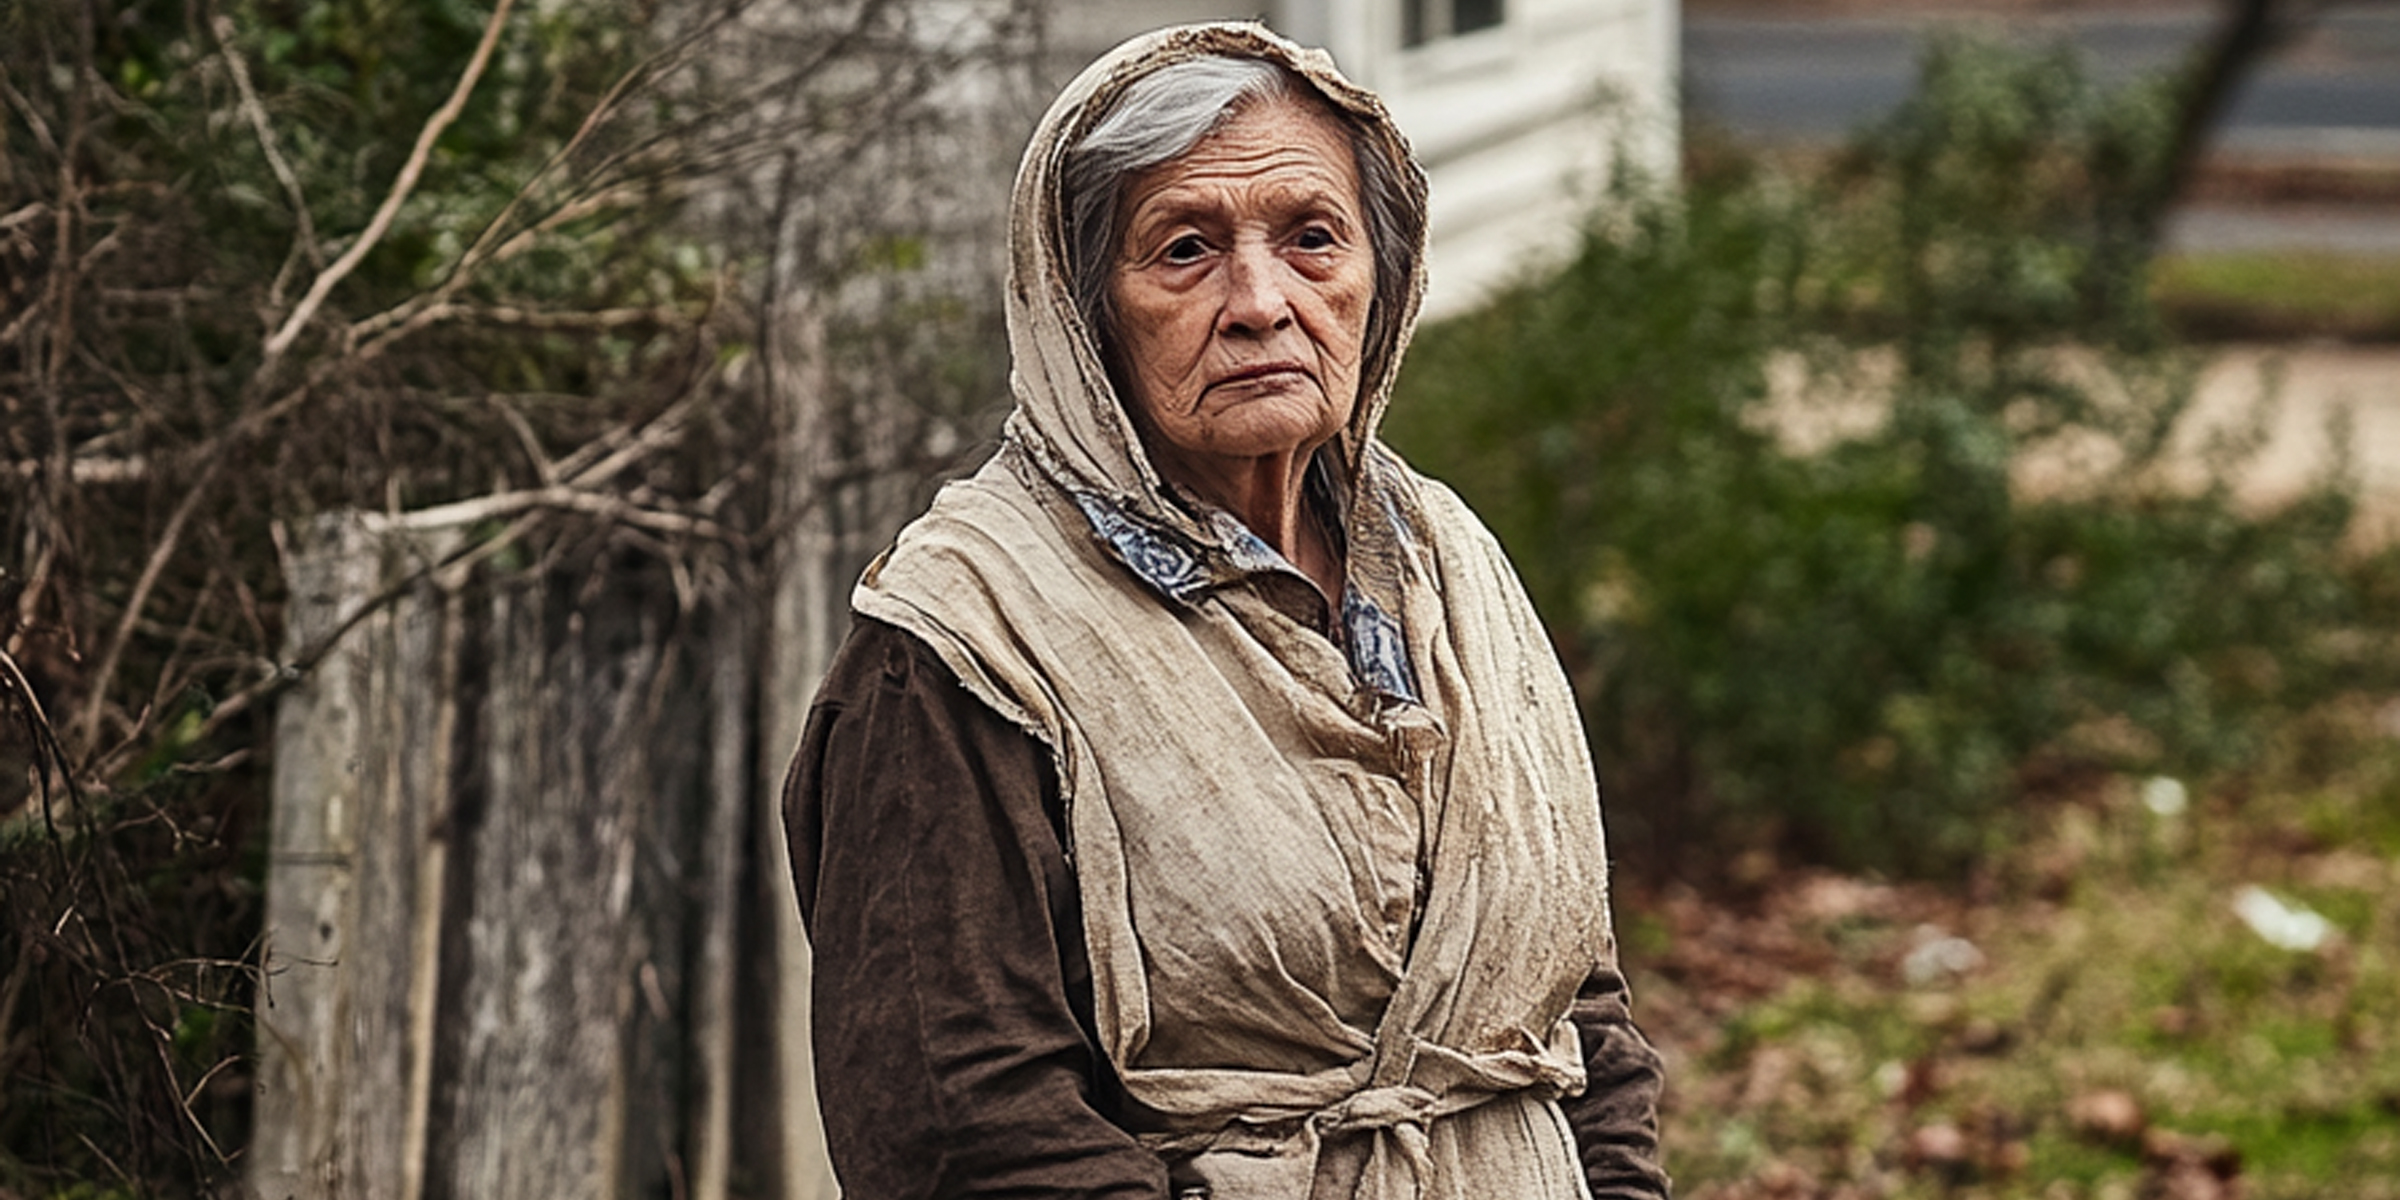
column 160, row 1041
column 489, row 245
column 372, row 335
column 608, row 188
column 132, row 469
column 24, row 216
column 24, row 321
column 535, row 318
column 256, row 112
column 601, row 504
column 596, row 461
column 286, row 674
column 49, row 757
column 87, row 726
column 623, row 446
column 31, row 116
column 381, row 223
column 650, row 68
column 543, row 468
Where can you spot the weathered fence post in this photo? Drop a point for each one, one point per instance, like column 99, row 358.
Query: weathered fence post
column 356, row 865
column 510, row 818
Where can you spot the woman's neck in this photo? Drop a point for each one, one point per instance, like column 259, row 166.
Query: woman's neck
column 1269, row 494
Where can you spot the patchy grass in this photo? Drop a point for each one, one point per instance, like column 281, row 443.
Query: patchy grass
column 2280, row 294
column 2115, row 1029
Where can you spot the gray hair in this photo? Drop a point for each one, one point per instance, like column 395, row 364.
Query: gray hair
column 1159, row 118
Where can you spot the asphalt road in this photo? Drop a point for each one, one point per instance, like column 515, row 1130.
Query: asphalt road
column 2334, row 90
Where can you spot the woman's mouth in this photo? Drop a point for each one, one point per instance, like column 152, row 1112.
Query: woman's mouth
column 1270, row 372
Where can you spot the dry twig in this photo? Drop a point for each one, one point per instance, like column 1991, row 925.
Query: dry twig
column 381, row 222
column 256, row 113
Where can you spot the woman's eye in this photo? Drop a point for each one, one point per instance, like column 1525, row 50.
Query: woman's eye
column 1316, row 237
column 1185, row 249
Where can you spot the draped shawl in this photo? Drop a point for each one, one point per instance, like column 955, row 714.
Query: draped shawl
column 1338, row 892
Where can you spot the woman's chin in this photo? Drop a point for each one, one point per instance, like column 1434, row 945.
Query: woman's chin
column 1260, row 426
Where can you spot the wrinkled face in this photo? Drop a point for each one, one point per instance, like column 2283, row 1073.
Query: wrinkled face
column 1241, row 287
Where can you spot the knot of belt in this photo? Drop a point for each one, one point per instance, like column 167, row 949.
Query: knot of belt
column 1402, row 1111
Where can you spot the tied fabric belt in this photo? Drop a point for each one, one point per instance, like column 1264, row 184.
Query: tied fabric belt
column 1275, row 1151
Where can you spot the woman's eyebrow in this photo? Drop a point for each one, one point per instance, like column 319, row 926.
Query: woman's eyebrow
column 1175, row 204
column 1202, row 202
column 1312, row 193
column 1281, row 198
column 1147, row 221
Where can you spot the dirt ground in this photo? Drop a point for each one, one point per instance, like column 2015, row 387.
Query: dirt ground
column 2316, row 386
column 2324, row 403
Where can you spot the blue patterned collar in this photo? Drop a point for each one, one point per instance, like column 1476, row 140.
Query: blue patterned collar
column 1179, row 570
column 1377, row 646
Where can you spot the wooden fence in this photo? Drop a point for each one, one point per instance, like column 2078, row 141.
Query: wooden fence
column 530, row 928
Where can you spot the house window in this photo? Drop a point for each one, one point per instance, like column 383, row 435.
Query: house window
column 1422, row 21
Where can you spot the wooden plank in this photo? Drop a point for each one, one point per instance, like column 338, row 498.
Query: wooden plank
column 350, row 882
column 294, row 1148
column 717, row 979
column 499, row 895
column 529, row 1102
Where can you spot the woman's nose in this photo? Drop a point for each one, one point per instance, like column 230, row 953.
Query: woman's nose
column 1256, row 299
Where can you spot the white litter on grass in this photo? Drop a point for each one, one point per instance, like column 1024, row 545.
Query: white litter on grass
column 1938, row 955
column 2287, row 926
column 2165, row 795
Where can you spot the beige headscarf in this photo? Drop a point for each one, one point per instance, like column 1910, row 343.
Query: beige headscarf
column 1338, row 898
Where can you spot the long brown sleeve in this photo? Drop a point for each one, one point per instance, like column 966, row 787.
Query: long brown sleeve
column 1616, row 1118
column 951, row 997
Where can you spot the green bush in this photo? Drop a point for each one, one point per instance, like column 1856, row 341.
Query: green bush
column 1764, row 451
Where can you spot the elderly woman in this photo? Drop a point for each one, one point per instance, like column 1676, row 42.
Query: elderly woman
column 1197, row 808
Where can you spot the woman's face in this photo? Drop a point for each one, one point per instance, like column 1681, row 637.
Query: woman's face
column 1241, row 287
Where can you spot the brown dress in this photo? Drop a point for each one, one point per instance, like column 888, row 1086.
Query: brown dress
column 956, row 1053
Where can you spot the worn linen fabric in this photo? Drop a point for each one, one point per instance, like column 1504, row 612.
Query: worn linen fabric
column 1338, row 899
column 952, row 994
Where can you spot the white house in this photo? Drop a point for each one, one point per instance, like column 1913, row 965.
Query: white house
column 1514, row 106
